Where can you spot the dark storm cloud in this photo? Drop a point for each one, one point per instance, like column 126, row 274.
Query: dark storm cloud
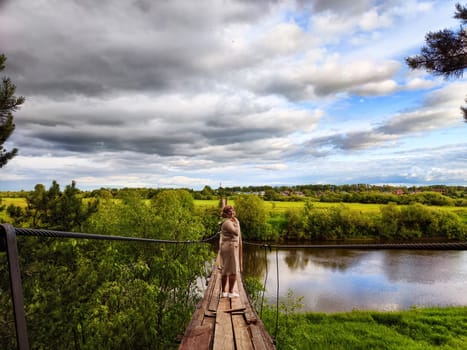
column 349, row 141
column 93, row 48
column 340, row 6
column 112, row 46
column 87, row 141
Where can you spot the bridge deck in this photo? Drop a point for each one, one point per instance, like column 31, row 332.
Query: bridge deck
column 225, row 323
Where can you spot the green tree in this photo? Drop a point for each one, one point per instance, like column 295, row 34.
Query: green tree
column 208, row 193
column 174, row 210
column 8, row 104
column 388, row 224
column 316, row 223
column 445, row 53
column 37, row 204
column 54, row 209
column 252, row 214
column 294, row 225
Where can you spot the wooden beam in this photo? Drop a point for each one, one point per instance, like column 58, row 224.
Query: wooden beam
column 223, row 333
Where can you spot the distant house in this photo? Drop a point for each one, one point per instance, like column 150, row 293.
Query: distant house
column 399, row 192
column 292, row 193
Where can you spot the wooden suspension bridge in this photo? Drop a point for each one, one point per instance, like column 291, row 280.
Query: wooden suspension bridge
column 223, row 323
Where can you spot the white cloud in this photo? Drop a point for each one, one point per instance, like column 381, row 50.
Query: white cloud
column 384, row 87
column 272, row 166
column 371, row 20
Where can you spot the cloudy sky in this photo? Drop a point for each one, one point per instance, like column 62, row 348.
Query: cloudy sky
column 143, row 93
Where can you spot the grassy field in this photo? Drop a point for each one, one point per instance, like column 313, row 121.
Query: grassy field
column 272, row 206
column 417, row 328
column 16, row 201
column 280, row 207
column 21, row 202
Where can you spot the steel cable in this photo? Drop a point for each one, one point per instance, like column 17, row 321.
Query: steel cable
column 419, row 245
column 64, row 234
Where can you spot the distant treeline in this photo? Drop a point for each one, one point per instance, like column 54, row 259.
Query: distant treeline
column 441, row 195
column 400, row 217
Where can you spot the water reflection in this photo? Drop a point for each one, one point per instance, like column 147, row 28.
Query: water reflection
column 425, row 267
column 332, row 280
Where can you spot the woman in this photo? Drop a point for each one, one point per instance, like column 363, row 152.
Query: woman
column 231, row 251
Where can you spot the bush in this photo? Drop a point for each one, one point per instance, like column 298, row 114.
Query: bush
column 252, row 214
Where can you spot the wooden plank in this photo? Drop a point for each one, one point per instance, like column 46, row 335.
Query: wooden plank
column 223, row 334
column 199, row 338
column 236, row 309
column 199, row 332
column 256, row 337
column 211, row 287
column 216, row 291
column 237, row 304
column 192, row 328
column 240, row 327
column 242, row 336
column 250, row 314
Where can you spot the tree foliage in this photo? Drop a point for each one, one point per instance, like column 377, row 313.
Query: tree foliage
column 53, row 209
column 253, row 217
column 393, row 223
column 445, row 53
column 86, row 294
column 8, row 104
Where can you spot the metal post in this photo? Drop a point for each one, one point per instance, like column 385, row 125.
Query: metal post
column 8, row 235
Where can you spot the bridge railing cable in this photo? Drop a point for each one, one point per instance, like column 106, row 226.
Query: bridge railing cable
column 411, row 245
column 78, row 235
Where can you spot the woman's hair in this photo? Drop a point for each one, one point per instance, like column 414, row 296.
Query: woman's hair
column 226, row 211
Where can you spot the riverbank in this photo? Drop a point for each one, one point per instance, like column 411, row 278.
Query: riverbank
column 416, row 328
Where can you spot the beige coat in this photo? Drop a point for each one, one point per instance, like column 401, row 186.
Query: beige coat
column 230, row 245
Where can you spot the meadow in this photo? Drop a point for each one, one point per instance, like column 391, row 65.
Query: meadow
column 417, row 328
column 280, row 207
column 273, row 207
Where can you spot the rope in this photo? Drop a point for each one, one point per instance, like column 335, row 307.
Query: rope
column 277, row 294
column 63, row 234
column 428, row 246
column 265, row 281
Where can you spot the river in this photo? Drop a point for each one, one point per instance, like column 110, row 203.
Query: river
column 335, row 280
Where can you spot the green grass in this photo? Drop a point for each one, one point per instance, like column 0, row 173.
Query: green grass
column 4, row 217
column 425, row 328
column 276, row 207
column 461, row 211
column 21, row 202
column 207, row 203
column 279, row 207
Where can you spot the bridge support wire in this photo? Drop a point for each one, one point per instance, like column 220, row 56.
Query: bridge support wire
column 277, row 294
